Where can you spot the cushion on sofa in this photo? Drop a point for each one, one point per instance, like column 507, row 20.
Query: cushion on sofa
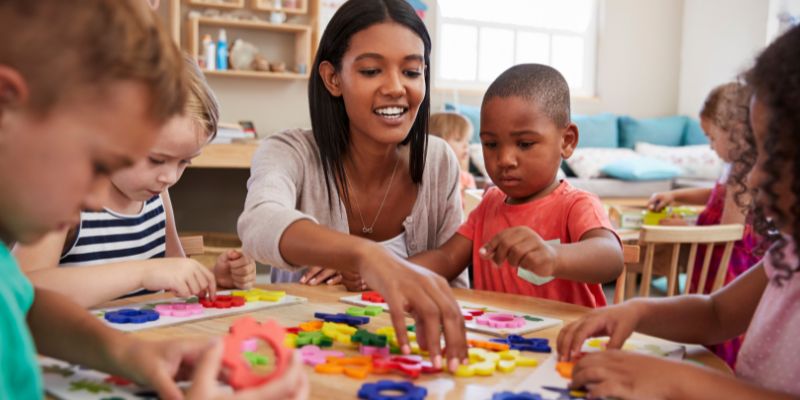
column 695, row 162
column 694, row 133
column 587, row 163
column 665, row 131
column 600, row 130
column 472, row 113
column 640, row 169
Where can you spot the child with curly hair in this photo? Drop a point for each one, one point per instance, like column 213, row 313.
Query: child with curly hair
column 762, row 301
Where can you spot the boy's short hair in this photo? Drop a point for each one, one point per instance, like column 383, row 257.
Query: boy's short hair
column 66, row 47
column 449, row 125
column 537, row 83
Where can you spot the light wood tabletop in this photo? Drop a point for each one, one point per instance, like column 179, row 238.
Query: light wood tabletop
column 440, row 386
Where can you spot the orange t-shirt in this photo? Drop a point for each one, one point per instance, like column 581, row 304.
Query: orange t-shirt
column 566, row 215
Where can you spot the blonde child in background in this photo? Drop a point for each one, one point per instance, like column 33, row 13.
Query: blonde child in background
column 761, row 303
column 725, row 120
column 78, row 101
column 532, row 221
column 456, row 130
column 132, row 244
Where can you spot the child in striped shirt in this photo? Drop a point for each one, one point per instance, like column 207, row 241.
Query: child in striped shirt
column 132, row 244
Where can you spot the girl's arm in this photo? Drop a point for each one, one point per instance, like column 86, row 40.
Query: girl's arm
column 449, row 260
column 624, row 375
column 691, row 196
column 700, row 319
column 173, row 244
column 95, row 284
column 705, row 319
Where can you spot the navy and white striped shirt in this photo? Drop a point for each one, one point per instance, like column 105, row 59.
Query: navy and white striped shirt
column 107, row 236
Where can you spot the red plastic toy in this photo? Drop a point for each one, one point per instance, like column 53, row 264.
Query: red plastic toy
column 222, row 301
column 372, row 297
column 240, row 375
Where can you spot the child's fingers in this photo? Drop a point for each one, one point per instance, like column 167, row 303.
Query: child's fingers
column 323, row 276
column 207, row 281
column 335, row 280
column 204, row 379
column 234, row 254
column 520, row 251
column 310, row 274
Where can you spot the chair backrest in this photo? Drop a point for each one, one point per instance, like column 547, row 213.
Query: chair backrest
column 630, row 255
column 192, row 245
column 693, row 236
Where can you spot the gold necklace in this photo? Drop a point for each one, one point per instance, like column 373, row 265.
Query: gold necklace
column 364, row 228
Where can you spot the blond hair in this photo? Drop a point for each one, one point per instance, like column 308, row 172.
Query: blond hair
column 201, row 105
column 449, row 126
column 62, row 48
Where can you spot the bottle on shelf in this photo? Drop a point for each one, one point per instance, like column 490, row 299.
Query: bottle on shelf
column 209, row 53
column 222, row 51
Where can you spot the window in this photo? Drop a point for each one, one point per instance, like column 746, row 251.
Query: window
column 476, row 40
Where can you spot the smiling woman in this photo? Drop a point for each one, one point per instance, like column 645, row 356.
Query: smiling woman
column 364, row 189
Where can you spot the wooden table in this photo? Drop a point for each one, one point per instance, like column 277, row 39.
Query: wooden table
column 440, row 386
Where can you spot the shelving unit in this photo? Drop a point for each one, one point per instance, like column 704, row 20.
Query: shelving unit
column 301, row 38
column 292, row 43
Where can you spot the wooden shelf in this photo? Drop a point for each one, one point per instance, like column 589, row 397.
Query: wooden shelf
column 223, row 22
column 226, row 5
column 226, row 156
column 256, row 74
column 265, row 5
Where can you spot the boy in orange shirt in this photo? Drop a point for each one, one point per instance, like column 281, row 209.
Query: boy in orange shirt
column 532, row 234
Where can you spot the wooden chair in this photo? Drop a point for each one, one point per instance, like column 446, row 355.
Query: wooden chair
column 630, row 255
column 192, row 245
column 693, row 236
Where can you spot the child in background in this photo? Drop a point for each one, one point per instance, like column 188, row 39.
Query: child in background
column 111, row 78
column 532, row 221
column 456, row 130
column 132, row 244
column 725, row 119
column 762, row 301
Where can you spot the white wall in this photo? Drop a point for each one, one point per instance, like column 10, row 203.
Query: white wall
column 638, row 59
column 720, row 40
column 638, row 71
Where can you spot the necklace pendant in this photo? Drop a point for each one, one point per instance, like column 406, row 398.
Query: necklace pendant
column 366, row 230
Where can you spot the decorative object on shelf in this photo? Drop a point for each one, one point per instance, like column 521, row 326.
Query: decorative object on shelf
column 243, row 54
column 260, row 63
column 222, row 51
column 209, row 52
column 277, row 16
column 301, row 69
column 277, row 66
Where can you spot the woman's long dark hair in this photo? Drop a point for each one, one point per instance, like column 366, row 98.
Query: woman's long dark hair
column 329, row 119
column 775, row 79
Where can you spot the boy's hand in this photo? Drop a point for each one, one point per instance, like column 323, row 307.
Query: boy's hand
column 317, row 275
column 623, row 375
column 293, row 384
column 182, row 276
column 521, row 247
column 658, row 201
column 235, row 270
column 618, row 322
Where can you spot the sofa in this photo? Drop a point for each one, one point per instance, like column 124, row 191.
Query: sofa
column 621, row 156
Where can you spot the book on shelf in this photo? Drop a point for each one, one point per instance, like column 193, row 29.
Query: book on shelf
column 232, row 133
